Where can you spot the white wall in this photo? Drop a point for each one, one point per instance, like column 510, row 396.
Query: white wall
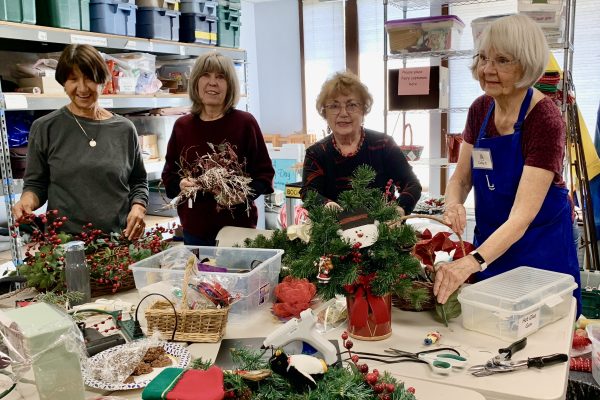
column 270, row 35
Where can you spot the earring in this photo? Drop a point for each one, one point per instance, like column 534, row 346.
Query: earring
column 328, row 130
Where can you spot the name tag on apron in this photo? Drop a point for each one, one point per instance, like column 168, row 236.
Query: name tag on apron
column 482, row 159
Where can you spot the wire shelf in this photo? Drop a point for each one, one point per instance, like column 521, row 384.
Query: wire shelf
column 454, row 54
column 421, row 4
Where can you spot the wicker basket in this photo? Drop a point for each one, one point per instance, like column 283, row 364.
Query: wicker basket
column 206, row 325
column 429, row 303
column 411, row 151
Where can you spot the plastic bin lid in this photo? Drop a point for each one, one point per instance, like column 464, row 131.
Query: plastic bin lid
column 517, row 289
column 488, row 18
column 399, row 23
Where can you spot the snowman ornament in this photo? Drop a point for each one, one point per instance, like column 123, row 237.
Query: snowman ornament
column 358, row 227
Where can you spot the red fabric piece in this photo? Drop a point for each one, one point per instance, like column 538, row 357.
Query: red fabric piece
column 544, row 135
column 365, row 300
column 197, row 384
column 293, row 296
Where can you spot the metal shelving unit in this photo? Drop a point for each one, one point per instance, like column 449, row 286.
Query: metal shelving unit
column 43, row 39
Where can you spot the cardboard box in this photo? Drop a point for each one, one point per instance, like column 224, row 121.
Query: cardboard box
column 437, row 97
column 149, row 146
column 47, row 84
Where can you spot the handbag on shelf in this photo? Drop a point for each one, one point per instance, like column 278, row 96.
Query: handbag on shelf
column 411, row 151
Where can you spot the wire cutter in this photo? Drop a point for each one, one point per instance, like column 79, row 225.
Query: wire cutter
column 503, row 362
column 440, row 360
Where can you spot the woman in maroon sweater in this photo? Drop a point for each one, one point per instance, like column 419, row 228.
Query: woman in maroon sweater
column 512, row 155
column 214, row 91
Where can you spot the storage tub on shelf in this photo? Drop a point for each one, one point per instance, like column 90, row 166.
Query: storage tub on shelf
column 70, row 14
column 157, row 23
column 424, row 34
column 516, row 303
column 112, row 16
column 478, row 25
column 254, row 283
column 228, row 33
column 205, row 7
column 18, row 11
column 198, row 28
column 547, row 14
column 168, row 4
column 593, row 331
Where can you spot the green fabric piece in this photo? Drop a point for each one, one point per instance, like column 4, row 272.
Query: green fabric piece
column 158, row 388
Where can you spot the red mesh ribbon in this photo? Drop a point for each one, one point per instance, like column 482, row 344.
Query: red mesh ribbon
column 365, row 300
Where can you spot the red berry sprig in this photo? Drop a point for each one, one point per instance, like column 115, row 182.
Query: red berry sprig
column 383, row 390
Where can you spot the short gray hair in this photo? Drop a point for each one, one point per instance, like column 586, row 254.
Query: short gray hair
column 520, row 37
column 217, row 63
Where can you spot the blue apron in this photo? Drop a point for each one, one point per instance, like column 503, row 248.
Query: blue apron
column 548, row 242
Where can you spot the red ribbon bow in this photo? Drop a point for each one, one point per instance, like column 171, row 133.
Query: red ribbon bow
column 365, row 299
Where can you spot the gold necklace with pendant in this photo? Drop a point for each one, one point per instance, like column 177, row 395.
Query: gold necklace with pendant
column 92, row 142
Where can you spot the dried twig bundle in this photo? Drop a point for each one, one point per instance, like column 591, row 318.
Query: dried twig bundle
column 219, row 173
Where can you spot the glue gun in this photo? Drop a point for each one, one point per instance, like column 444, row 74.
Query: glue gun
column 303, row 329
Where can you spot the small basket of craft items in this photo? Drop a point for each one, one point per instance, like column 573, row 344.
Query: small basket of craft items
column 411, row 151
column 425, row 249
column 201, row 316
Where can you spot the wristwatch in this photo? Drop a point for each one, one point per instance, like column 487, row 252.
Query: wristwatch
column 479, row 258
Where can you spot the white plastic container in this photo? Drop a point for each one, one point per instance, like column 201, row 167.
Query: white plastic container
column 517, row 303
column 258, row 276
column 478, row 25
column 547, row 15
column 593, row 331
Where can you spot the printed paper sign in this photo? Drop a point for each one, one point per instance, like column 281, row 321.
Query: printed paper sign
column 413, row 81
column 91, row 40
column 528, row 323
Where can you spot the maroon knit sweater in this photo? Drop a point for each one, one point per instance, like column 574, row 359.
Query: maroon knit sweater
column 542, row 139
column 189, row 141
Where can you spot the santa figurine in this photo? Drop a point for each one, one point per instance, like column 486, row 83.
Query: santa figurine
column 325, row 266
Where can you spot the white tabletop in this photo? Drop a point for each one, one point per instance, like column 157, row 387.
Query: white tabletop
column 409, row 329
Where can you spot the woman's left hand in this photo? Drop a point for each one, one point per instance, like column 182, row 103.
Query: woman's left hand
column 135, row 222
column 449, row 276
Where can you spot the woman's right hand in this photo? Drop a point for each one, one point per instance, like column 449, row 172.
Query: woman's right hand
column 25, row 206
column 332, row 205
column 456, row 216
column 186, row 183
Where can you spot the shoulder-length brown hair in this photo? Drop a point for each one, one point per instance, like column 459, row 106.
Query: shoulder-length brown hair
column 217, row 63
column 87, row 59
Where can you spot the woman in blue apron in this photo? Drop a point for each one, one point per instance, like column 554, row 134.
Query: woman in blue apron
column 512, row 158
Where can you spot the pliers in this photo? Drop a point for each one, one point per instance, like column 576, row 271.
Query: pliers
column 503, row 362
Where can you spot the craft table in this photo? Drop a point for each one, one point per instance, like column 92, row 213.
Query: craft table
column 409, row 329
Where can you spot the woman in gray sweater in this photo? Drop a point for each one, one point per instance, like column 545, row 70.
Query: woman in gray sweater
column 84, row 160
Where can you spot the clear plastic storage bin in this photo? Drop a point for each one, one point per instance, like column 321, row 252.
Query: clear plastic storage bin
column 516, row 303
column 478, row 25
column 254, row 283
column 424, row 34
column 593, row 331
column 547, row 13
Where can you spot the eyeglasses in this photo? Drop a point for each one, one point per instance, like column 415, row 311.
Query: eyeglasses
column 336, row 108
column 501, row 63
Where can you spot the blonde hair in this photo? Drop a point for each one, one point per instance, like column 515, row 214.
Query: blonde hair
column 217, row 63
column 520, row 37
column 344, row 83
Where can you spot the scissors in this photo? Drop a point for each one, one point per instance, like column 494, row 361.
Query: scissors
column 440, row 363
column 440, row 360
